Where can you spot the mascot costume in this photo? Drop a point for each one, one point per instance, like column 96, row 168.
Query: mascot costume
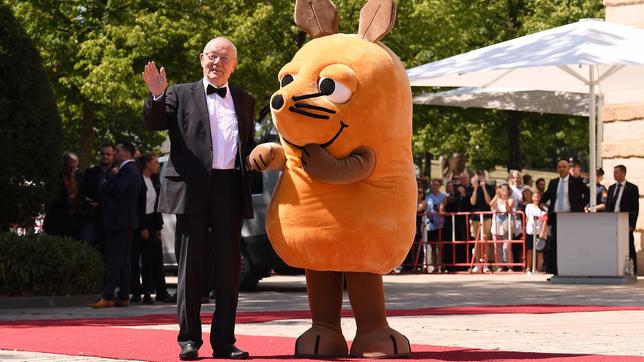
column 345, row 205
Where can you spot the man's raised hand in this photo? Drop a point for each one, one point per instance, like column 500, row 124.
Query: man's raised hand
column 154, row 79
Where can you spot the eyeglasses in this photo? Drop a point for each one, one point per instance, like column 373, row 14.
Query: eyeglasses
column 213, row 57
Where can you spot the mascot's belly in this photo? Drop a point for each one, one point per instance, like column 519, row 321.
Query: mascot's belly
column 366, row 226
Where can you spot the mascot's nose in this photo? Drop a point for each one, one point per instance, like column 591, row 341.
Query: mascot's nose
column 277, row 102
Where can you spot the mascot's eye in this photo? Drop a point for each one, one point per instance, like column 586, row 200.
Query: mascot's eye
column 335, row 91
column 286, row 80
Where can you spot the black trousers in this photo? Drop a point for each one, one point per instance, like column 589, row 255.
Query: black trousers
column 118, row 264
column 223, row 218
column 631, row 250
column 550, row 252
column 150, row 254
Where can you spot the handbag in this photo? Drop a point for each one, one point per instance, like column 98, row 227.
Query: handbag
column 539, row 244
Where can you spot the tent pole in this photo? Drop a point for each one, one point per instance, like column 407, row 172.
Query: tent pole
column 600, row 131
column 592, row 133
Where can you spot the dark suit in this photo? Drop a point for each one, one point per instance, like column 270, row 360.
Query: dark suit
column 578, row 196
column 216, row 199
column 121, row 218
column 630, row 202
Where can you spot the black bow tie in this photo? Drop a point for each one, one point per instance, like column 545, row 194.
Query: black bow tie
column 220, row 91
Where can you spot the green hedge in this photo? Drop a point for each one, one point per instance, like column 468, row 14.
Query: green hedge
column 48, row 265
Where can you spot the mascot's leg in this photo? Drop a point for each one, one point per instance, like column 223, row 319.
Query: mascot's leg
column 324, row 338
column 373, row 338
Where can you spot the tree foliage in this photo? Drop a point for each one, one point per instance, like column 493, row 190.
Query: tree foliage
column 29, row 126
column 94, row 52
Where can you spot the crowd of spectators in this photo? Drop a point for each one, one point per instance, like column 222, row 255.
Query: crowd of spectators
column 497, row 218
column 78, row 212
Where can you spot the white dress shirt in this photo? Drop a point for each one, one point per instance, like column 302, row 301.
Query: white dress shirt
column 618, row 197
column 565, row 205
column 223, row 128
column 150, row 196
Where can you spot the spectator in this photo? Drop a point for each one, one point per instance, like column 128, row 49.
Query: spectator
column 120, row 192
column 435, row 207
column 62, row 217
column 415, row 256
column 480, row 195
column 601, row 192
column 575, row 169
column 526, row 199
column 527, row 181
column 147, row 242
column 535, row 227
column 540, row 184
column 515, row 182
column 93, row 230
column 623, row 196
column 502, row 204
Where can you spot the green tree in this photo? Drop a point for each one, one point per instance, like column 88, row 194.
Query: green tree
column 29, row 127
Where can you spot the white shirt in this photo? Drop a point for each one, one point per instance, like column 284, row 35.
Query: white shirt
column 566, row 199
column 618, row 197
column 223, row 128
column 150, row 196
column 125, row 163
column 532, row 211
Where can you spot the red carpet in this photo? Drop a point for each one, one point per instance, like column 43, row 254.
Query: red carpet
column 157, row 345
column 267, row 316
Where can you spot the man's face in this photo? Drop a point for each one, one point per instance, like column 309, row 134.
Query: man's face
column 541, row 185
column 121, row 154
column 576, row 171
column 563, row 168
column 107, row 156
column 218, row 61
column 619, row 175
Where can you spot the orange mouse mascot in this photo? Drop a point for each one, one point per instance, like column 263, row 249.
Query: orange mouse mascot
column 344, row 208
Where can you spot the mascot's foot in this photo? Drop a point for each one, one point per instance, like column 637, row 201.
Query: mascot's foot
column 321, row 342
column 381, row 343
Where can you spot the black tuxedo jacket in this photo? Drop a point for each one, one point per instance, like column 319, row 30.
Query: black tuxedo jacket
column 630, row 201
column 120, row 199
column 578, row 194
column 182, row 110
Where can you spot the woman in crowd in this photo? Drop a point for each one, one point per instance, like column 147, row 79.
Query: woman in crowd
column 61, row 218
column 415, row 256
column 149, row 237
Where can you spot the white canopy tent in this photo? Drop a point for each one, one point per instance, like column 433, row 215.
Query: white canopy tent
column 509, row 99
column 589, row 56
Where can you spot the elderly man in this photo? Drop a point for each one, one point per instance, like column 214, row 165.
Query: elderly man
column 210, row 125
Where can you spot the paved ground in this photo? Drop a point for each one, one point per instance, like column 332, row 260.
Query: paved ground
column 605, row 333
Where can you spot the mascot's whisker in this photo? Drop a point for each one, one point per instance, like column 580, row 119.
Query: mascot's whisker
column 317, row 108
column 308, row 114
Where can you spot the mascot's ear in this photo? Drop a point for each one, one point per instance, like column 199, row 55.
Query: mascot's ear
column 377, row 18
column 316, row 17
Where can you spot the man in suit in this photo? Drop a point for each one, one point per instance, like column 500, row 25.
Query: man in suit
column 93, row 230
column 120, row 213
column 210, row 125
column 566, row 193
column 625, row 197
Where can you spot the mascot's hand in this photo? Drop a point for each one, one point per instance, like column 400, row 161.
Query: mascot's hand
column 267, row 155
column 323, row 166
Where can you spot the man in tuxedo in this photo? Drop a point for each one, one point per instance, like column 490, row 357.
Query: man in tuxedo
column 120, row 213
column 624, row 196
column 210, row 125
column 566, row 193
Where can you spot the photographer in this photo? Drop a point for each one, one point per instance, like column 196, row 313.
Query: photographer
column 480, row 194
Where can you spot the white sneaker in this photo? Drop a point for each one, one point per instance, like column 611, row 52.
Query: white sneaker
column 475, row 269
column 486, row 270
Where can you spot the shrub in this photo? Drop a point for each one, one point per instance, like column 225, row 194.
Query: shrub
column 48, row 265
column 30, row 128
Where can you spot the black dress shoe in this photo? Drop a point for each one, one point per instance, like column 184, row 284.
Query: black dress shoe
column 136, row 298
column 230, row 352
column 189, row 352
column 147, row 299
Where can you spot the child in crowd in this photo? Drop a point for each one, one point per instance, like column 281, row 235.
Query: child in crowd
column 535, row 227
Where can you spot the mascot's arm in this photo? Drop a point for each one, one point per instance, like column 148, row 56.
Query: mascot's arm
column 323, row 166
column 267, row 155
